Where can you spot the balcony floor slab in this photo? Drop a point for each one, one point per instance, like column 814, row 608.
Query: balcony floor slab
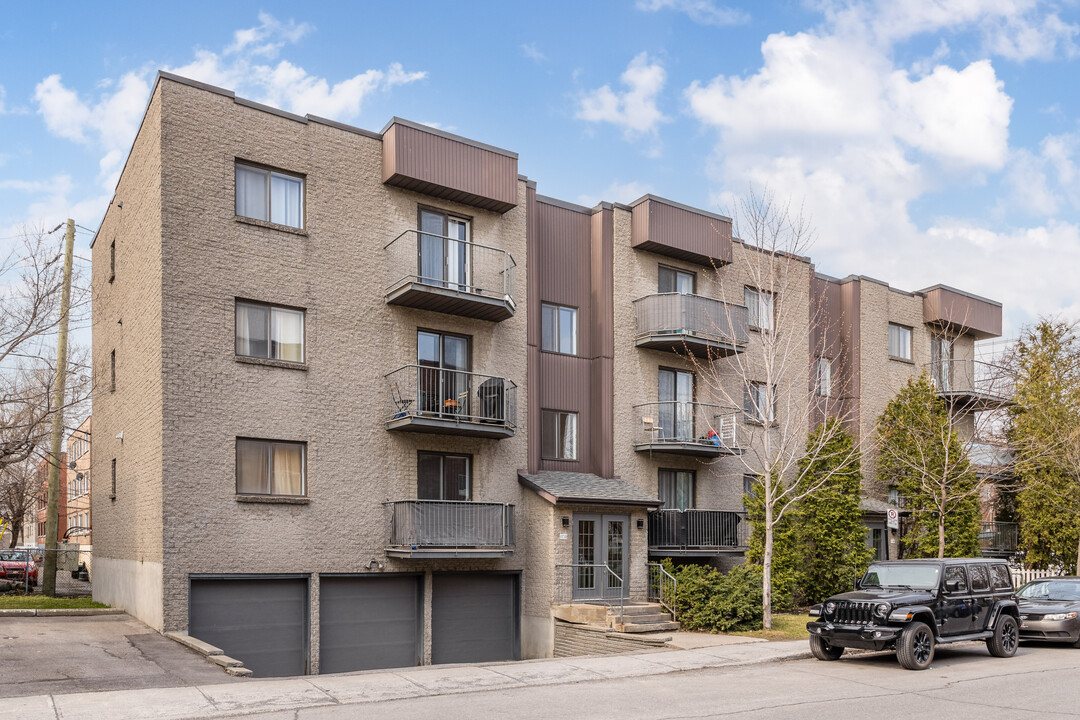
column 435, row 553
column 452, row 302
column 450, row 426
column 695, row 449
column 682, row 343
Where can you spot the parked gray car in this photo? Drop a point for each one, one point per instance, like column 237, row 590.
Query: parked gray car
column 1050, row 610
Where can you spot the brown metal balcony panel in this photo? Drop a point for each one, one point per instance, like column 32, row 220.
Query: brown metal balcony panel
column 950, row 309
column 422, row 529
column 699, row 325
column 450, row 402
column 676, row 230
column 451, row 302
column 436, row 163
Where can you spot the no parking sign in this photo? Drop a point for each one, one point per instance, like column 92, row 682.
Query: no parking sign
column 893, row 519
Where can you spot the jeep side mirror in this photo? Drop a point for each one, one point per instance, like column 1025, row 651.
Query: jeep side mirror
column 955, row 586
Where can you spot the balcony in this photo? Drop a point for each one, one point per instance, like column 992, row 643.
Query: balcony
column 448, row 275
column 970, row 385
column 697, row 532
column 694, row 324
column 998, row 539
column 450, row 529
column 451, row 402
column 686, row 428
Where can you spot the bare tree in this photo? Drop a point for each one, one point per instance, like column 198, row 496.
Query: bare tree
column 20, row 487
column 771, row 378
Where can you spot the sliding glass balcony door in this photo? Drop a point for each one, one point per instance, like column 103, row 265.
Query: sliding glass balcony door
column 444, row 251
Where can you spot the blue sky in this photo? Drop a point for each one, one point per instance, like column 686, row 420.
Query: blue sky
column 930, row 141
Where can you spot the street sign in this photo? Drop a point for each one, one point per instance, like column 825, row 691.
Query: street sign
column 893, row 519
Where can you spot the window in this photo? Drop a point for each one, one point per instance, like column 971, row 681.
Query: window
column 955, row 574
column 823, row 377
column 444, row 378
column 760, row 307
column 269, row 195
column 112, row 492
column 980, row 578
column 112, row 371
column 112, row 261
column 671, row 280
column 756, row 402
column 266, row 467
column 267, row 331
column 558, row 329
column 558, row 435
column 899, row 342
column 440, row 476
column 677, row 489
column 444, row 252
column 676, row 407
column 1001, row 577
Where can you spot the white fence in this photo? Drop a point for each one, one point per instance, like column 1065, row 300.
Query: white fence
column 1022, row 575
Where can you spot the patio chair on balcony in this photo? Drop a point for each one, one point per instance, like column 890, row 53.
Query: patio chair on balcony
column 649, row 425
column 401, row 402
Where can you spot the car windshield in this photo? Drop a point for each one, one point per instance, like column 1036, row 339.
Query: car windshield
column 1051, row 590
column 918, row 577
column 13, row 556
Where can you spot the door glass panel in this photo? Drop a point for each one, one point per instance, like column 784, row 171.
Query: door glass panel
column 429, row 356
column 586, row 556
column 666, row 280
column 615, row 530
column 455, row 478
column 456, row 389
column 432, row 249
column 684, row 283
column 684, row 421
column 457, row 253
column 429, row 477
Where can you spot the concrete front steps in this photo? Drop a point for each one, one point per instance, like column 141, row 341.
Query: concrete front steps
column 641, row 618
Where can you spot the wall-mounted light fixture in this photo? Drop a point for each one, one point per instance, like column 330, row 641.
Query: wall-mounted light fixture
column 566, row 521
column 640, row 524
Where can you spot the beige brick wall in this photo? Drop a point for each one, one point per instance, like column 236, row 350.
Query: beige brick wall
column 127, row 320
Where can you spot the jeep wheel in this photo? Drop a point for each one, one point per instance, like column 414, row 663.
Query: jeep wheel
column 915, row 649
column 1004, row 640
column 823, row 650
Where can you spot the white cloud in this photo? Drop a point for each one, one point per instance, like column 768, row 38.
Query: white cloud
column 268, row 37
column 616, row 192
column 633, row 110
column 531, row 51
column 703, row 12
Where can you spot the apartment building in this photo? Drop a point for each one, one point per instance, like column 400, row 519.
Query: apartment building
column 79, row 513
column 42, row 500
column 369, row 400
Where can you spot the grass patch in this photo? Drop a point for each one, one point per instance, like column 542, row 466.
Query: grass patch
column 786, row 626
column 40, row 602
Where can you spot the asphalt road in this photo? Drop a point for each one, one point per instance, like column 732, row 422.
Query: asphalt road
column 1041, row 681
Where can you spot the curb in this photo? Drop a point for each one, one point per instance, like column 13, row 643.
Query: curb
column 59, row 612
column 214, row 654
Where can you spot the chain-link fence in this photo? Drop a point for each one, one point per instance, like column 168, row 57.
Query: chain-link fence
column 22, row 571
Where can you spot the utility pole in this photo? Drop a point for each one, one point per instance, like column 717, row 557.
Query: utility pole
column 52, row 512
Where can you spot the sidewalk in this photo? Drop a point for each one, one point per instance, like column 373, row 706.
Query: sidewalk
column 250, row 696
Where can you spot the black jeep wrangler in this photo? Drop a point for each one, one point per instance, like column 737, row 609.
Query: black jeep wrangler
column 913, row 605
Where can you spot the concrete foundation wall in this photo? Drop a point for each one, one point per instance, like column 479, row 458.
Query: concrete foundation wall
column 132, row 586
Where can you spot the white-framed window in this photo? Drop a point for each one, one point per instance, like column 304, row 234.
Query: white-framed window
column 757, row 404
column 760, row 307
column 899, row 341
column 269, row 195
column 558, row 329
column 558, row 435
column 269, row 331
column 673, row 280
column 270, row 467
column 823, row 377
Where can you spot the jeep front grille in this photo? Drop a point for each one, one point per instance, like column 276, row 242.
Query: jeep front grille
column 854, row 613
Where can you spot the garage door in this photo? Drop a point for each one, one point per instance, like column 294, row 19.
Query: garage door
column 260, row 621
column 367, row 623
column 474, row 617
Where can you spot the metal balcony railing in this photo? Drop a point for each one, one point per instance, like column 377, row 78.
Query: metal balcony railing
column 453, row 395
column 448, row 263
column 697, row 529
column 673, row 423
column 451, row 524
column 693, row 316
column 999, row 537
column 973, row 379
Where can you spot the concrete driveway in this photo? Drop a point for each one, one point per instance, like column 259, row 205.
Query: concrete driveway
column 61, row 655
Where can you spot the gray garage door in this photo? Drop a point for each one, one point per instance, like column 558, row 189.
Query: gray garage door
column 367, row 623
column 260, row 621
column 474, row 617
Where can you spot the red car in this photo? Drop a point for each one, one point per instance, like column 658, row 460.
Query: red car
column 16, row 564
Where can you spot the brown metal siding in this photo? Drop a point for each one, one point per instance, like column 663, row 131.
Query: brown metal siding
column 950, row 309
column 678, row 232
column 602, row 285
column 449, row 169
column 834, row 311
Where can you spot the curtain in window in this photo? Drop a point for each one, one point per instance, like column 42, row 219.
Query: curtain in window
column 432, row 249
column 251, row 192
column 251, row 330
column 569, row 436
column 252, row 467
column 288, row 466
column 287, row 333
column 285, row 200
column 753, row 307
column 899, row 342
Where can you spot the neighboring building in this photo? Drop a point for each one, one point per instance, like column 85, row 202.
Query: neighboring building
column 372, row 396
column 79, row 512
column 42, row 503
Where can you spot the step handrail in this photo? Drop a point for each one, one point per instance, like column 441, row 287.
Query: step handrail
column 607, row 573
column 662, row 584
